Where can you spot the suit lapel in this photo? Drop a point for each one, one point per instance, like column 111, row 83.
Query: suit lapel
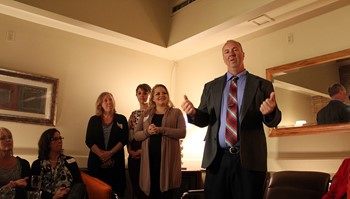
column 248, row 96
column 217, row 93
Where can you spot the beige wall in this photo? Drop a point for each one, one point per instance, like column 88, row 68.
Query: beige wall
column 321, row 35
column 87, row 67
column 294, row 106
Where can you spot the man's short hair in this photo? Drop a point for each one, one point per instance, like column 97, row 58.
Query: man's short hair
column 335, row 88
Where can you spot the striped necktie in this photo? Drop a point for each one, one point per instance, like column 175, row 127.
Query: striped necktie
column 231, row 115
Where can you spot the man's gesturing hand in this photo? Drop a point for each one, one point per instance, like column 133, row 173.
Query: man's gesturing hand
column 188, row 107
column 268, row 105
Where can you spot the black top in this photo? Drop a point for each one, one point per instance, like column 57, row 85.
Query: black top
column 335, row 112
column 155, row 143
column 114, row 176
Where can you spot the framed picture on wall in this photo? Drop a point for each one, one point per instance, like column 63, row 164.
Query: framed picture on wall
column 27, row 98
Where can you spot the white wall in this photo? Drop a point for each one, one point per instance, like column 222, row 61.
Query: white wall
column 294, row 106
column 85, row 68
column 321, row 35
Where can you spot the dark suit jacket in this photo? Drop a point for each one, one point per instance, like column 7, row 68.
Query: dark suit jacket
column 252, row 136
column 335, row 112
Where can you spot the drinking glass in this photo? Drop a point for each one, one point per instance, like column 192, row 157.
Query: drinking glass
column 36, row 183
column 7, row 193
column 33, row 194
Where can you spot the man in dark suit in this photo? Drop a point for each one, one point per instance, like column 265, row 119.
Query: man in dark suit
column 238, row 171
column 335, row 111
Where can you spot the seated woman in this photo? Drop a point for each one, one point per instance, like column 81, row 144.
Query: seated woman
column 14, row 171
column 59, row 173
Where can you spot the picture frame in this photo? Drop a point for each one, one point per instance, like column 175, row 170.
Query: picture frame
column 27, row 98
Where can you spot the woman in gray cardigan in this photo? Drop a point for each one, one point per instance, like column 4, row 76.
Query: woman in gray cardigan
column 160, row 128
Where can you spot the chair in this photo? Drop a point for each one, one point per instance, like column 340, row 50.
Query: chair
column 96, row 188
column 193, row 194
column 296, row 184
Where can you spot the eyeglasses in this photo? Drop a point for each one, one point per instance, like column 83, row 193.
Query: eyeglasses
column 55, row 139
column 5, row 138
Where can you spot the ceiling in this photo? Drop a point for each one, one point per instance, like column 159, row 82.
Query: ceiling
column 264, row 19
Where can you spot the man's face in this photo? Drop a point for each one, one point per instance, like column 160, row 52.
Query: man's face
column 343, row 95
column 233, row 56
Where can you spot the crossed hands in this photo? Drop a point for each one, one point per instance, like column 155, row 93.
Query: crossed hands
column 105, row 156
column 135, row 154
column 152, row 129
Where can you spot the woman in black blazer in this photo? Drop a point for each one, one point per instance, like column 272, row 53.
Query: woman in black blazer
column 106, row 136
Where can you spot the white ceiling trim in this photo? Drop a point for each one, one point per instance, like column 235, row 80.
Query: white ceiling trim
column 280, row 10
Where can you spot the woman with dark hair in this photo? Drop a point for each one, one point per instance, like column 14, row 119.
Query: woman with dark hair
column 106, row 136
column 160, row 128
column 134, row 147
column 14, row 171
column 59, row 173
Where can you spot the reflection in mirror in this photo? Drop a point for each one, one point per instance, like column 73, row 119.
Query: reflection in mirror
column 301, row 88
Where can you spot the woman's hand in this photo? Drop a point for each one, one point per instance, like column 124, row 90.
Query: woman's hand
column 105, row 156
column 16, row 183
column 22, row 182
column 152, row 129
column 135, row 154
column 61, row 193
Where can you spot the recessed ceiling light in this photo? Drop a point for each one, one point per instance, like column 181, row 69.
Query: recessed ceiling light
column 262, row 19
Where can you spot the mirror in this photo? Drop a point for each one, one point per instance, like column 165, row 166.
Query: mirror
column 301, row 100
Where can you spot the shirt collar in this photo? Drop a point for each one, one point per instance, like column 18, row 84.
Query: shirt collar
column 239, row 75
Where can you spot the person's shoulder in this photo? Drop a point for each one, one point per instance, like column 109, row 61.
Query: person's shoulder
column 253, row 76
column 119, row 117
column 148, row 111
column 94, row 117
column 23, row 161
column 337, row 103
column 222, row 77
column 174, row 109
column 258, row 80
column 215, row 81
column 36, row 162
column 70, row 159
column 175, row 112
column 134, row 112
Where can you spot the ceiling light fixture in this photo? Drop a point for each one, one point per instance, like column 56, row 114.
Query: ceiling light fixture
column 262, row 19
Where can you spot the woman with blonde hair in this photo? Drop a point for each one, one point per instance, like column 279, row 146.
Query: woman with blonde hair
column 160, row 129
column 14, row 171
column 106, row 136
